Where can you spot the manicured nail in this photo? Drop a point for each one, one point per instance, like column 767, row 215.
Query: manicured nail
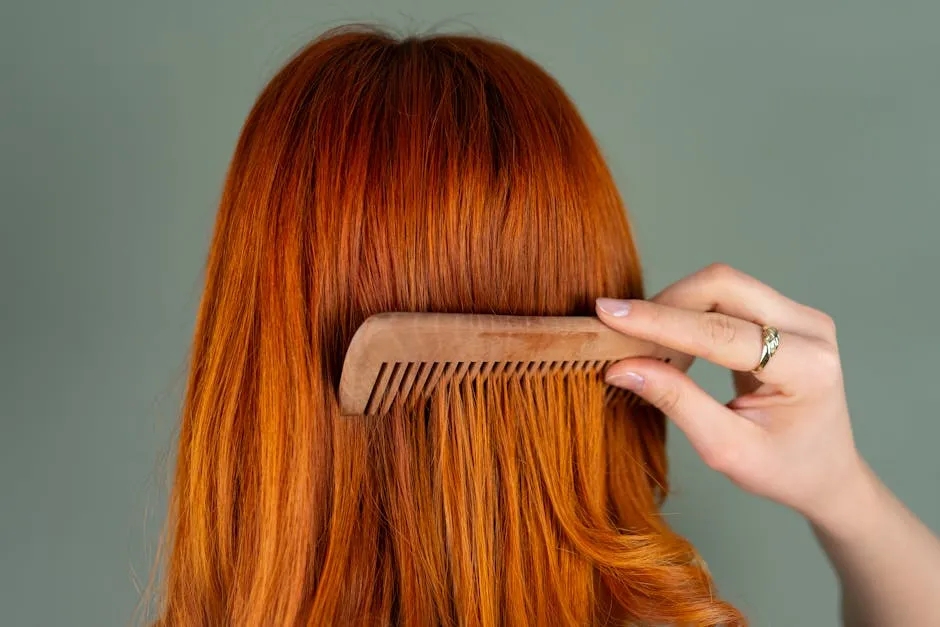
column 628, row 380
column 614, row 307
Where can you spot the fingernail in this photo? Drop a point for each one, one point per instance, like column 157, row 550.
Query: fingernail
column 627, row 380
column 614, row 307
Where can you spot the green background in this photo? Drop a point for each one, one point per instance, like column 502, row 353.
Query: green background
column 799, row 141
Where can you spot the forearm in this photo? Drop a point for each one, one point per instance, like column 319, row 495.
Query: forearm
column 887, row 560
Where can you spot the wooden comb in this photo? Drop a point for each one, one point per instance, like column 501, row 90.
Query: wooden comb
column 404, row 355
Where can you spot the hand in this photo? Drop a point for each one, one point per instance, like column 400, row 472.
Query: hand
column 786, row 436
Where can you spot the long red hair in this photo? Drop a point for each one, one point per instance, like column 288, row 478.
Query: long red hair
column 449, row 174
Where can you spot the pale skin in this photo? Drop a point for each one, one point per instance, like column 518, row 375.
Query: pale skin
column 786, row 435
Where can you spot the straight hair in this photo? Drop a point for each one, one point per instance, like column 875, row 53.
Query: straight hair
column 449, row 174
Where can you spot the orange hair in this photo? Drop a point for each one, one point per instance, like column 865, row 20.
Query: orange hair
column 448, row 174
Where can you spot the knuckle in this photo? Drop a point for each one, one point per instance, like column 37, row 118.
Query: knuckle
column 827, row 363
column 822, row 363
column 719, row 270
column 652, row 316
column 718, row 328
column 828, row 324
column 652, row 313
column 722, row 456
column 718, row 457
column 667, row 399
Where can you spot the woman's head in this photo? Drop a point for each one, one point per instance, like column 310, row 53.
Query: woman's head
column 444, row 174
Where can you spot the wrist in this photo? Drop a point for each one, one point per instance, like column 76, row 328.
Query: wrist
column 849, row 506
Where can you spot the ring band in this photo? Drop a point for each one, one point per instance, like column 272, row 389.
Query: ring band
column 771, row 342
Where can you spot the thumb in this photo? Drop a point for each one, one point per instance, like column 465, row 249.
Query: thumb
column 721, row 437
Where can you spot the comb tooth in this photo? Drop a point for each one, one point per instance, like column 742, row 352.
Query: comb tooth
column 462, row 368
column 533, row 366
column 498, row 368
column 633, row 399
column 614, row 393
column 545, row 366
column 437, row 377
column 433, row 377
column 447, row 376
column 408, row 379
column 423, row 371
column 434, row 371
column 392, row 388
column 622, row 395
column 421, row 375
column 487, row 368
column 378, row 389
column 566, row 367
column 471, row 374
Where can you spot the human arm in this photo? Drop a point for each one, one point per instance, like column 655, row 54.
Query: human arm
column 887, row 560
column 787, row 434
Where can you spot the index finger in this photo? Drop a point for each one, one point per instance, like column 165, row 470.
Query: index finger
column 721, row 339
column 721, row 288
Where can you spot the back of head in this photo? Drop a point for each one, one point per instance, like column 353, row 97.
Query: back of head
column 446, row 174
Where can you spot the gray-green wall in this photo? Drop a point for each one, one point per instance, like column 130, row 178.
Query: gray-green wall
column 799, row 141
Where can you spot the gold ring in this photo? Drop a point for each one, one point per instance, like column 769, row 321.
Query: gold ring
column 771, row 340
